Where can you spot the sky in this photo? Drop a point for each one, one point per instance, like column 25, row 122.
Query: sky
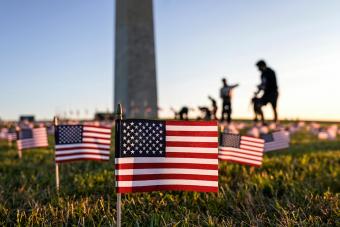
column 56, row 57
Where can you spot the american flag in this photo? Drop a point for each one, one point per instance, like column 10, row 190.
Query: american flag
column 32, row 138
column 241, row 149
column 82, row 142
column 275, row 141
column 11, row 135
column 166, row 155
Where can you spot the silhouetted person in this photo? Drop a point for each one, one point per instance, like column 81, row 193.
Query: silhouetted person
column 269, row 87
column 205, row 110
column 213, row 107
column 183, row 114
column 225, row 94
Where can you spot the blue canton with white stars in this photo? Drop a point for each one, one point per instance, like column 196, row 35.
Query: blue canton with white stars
column 69, row 134
column 26, row 133
column 142, row 138
column 230, row 140
column 267, row 137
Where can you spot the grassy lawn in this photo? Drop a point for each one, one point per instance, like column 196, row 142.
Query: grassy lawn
column 300, row 186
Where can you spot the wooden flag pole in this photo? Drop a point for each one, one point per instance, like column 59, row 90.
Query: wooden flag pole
column 55, row 123
column 119, row 116
column 17, row 129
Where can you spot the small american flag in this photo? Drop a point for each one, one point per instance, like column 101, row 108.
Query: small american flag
column 241, row 149
column 82, row 142
column 166, row 155
column 32, row 138
column 11, row 135
column 275, row 141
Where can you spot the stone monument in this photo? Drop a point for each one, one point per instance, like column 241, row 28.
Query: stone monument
column 135, row 85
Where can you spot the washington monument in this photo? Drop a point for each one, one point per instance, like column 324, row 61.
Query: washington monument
column 135, row 85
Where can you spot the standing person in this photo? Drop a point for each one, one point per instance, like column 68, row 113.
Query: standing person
column 269, row 87
column 225, row 94
column 214, row 107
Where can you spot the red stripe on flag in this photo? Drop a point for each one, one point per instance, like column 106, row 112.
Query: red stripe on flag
column 167, row 187
column 192, row 123
column 191, row 133
column 192, row 144
column 165, row 176
column 82, row 153
column 81, row 148
column 166, row 165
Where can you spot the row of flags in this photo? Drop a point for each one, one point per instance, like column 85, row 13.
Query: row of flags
column 152, row 155
column 321, row 132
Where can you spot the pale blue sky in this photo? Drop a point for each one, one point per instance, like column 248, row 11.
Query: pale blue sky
column 57, row 56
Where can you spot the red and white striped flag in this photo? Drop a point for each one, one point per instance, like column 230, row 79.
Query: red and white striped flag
column 166, row 155
column 11, row 136
column 82, row 142
column 32, row 138
column 241, row 149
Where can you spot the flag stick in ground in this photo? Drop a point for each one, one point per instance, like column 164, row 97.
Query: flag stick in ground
column 17, row 129
column 55, row 123
column 119, row 195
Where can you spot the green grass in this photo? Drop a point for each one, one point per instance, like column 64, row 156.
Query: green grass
column 296, row 187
